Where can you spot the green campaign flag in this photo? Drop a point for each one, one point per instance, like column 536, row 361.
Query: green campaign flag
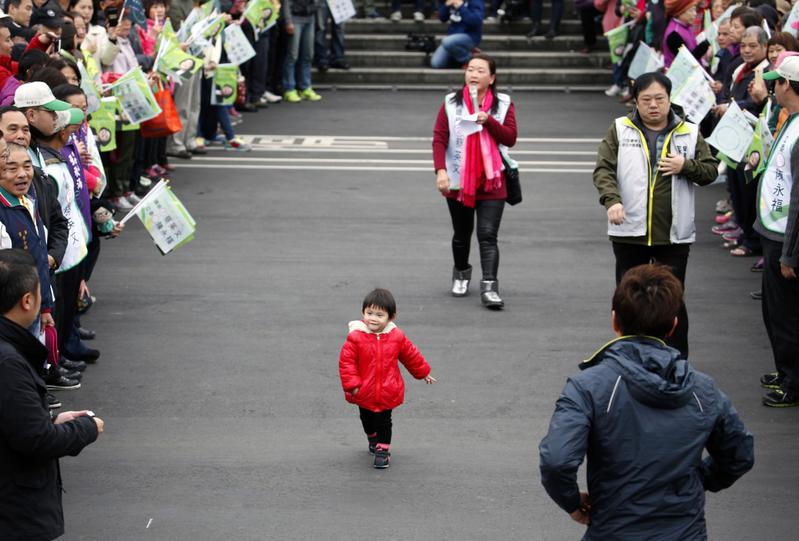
column 165, row 217
column 617, row 41
column 103, row 122
column 730, row 163
column 172, row 60
column 89, row 86
column 167, row 33
column 226, row 78
column 207, row 8
column 261, row 13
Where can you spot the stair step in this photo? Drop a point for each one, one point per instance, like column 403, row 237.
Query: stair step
column 505, row 59
column 515, row 76
column 434, row 26
column 396, row 42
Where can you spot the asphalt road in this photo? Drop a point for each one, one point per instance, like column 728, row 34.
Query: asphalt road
column 218, row 378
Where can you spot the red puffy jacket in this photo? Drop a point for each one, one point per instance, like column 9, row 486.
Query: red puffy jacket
column 368, row 362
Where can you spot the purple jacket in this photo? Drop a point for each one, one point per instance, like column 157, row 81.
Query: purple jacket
column 685, row 33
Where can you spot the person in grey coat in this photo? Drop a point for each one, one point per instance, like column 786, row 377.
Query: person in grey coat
column 644, row 417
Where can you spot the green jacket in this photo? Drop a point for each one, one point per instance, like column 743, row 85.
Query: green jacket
column 701, row 170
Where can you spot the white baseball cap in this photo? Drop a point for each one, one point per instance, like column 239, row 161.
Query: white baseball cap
column 38, row 94
column 788, row 69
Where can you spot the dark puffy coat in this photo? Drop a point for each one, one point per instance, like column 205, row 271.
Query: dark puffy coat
column 30, row 444
column 368, row 362
column 643, row 416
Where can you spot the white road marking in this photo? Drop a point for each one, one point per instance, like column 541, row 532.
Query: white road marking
column 148, row 524
column 301, row 167
column 351, row 138
column 358, row 160
column 426, row 151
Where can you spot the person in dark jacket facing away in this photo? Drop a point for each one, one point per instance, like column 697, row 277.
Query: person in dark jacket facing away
column 31, row 440
column 643, row 416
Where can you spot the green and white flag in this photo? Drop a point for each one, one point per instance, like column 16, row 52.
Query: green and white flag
column 617, row 41
column 135, row 96
column 646, row 60
column 733, row 134
column 237, row 46
column 89, row 87
column 793, row 17
column 103, row 122
column 226, row 78
column 165, row 217
column 174, row 61
column 262, row 14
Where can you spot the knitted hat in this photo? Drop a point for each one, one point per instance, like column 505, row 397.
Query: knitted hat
column 675, row 8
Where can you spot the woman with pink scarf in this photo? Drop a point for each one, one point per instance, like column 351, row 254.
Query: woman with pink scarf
column 472, row 127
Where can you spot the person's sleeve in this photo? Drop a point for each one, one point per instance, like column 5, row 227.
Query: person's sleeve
column 730, row 449
column 25, row 424
column 107, row 50
column 36, row 43
column 58, row 233
column 348, row 366
column 605, row 171
column 703, row 169
column 790, row 245
column 440, row 139
column 472, row 15
column 443, row 11
column 674, row 41
column 503, row 133
column 285, row 11
column 413, row 360
column 564, row 447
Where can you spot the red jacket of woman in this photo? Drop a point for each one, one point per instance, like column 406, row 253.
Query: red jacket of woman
column 368, row 362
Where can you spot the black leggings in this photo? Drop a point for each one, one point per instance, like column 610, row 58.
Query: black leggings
column 674, row 256
column 489, row 215
column 378, row 422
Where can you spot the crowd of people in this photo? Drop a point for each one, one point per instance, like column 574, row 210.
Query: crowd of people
column 748, row 52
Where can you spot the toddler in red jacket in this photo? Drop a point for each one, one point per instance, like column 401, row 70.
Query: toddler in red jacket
column 370, row 373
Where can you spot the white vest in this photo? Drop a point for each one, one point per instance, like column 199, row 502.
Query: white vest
column 457, row 138
column 775, row 187
column 78, row 232
column 636, row 183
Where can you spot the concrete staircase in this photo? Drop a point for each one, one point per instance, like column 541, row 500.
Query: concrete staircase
column 375, row 50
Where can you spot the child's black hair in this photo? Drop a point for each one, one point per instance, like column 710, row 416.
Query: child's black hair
column 381, row 298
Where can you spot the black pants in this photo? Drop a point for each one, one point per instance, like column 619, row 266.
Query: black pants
column 66, row 303
column 377, row 422
column 674, row 256
column 781, row 315
column 743, row 196
column 588, row 21
column 489, row 215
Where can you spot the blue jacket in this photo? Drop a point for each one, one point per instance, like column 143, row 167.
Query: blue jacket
column 643, row 416
column 467, row 19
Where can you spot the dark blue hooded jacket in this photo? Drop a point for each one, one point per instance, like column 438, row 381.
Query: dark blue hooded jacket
column 644, row 417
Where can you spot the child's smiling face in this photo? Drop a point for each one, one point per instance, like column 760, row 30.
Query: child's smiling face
column 375, row 318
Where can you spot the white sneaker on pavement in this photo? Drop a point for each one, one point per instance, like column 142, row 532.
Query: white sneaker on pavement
column 614, row 90
column 121, row 203
column 132, row 198
column 396, row 16
column 272, row 98
column 418, row 16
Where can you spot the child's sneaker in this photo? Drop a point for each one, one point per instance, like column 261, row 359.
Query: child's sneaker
column 291, row 96
column 237, row 143
column 310, row 95
column 372, row 443
column 382, row 456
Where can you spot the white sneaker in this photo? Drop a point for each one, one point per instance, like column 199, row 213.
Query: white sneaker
column 132, row 198
column 625, row 93
column 272, row 98
column 418, row 16
column 491, row 20
column 121, row 203
column 614, row 90
column 396, row 16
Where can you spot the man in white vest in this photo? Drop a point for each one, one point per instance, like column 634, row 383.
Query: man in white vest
column 778, row 224
column 645, row 173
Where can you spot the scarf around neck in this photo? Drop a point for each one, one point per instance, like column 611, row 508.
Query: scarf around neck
column 482, row 164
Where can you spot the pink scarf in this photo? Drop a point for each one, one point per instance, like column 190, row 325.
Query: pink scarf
column 482, row 164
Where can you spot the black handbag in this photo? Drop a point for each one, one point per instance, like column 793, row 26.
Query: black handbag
column 512, row 185
column 425, row 43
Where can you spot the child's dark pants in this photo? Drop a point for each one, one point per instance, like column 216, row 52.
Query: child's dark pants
column 377, row 422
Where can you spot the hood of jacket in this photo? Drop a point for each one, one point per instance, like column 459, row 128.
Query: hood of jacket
column 24, row 342
column 653, row 371
column 359, row 325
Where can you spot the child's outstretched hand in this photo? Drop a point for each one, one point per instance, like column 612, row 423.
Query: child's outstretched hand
column 429, row 379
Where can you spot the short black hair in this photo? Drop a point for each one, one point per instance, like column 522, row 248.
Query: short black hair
column 648, row 79
column 9, row 108
column 30, row 60
column 647, row 300
column 749, row 17
column 383, row 299
column 50, row 76
column 18, row 276
column 10, row 3
column 62, row 92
